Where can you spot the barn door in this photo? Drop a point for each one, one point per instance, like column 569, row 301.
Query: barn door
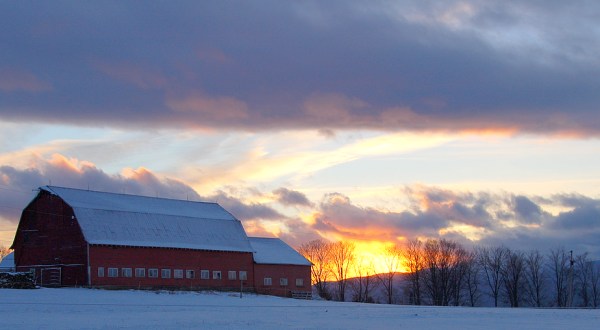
column 51, row 276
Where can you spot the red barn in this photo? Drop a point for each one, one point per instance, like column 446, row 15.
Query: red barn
column 72, row 237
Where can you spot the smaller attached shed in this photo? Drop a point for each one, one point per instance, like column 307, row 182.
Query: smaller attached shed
column 279, row 269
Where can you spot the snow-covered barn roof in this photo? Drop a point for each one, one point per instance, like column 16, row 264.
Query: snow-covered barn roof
column 275, row 251
column 131, row 220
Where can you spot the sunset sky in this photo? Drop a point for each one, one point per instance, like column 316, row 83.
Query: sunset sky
column 370, row 121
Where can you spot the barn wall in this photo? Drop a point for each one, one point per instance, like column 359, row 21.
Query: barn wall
column 276, row 273
column 162, row 258
column 50, row 241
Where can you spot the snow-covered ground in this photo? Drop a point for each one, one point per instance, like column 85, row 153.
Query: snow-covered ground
column 100, row 309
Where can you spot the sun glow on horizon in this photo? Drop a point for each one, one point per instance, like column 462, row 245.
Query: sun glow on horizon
column 371, row 258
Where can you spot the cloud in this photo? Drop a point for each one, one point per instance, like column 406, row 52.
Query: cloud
column 581, row 218
column 290, row 197
column 426, row 66
column 205, row 111
column 134, row 74
column 246, row 211
column 12, row 80
column 526, row 210
column 333, row 108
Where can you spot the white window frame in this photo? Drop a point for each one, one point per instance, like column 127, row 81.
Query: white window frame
column 217, row 275
column 153, row 272
column 140, row 272
column 178, row 273
column 190, row 273
column 100, row 271
column 283, row 281
column 299, row 282
column 243, row 275
column 267, row 281
column 205, row 274
column 165, row 273
column 113, row 272
column 126, row 272
column 232, row 275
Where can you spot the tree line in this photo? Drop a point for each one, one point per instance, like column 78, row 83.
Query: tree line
column 443, row 273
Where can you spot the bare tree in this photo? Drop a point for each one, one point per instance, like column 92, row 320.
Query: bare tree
column 413, row 261
column 512, row 271
column 559, row 268
column 319, row 253
column 442, row 275
column 583, row 271
column 342, row 259
column 472, row 273
column 460, row 260
column 595, row 285
column 391, row 259
column 535, row 277
column 363, row 282
column 491, row 260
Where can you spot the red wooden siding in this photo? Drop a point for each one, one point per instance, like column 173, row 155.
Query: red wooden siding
column 162, row 258
column 49, row 238
column 276, row 273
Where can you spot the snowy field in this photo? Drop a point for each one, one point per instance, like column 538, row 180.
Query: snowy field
column 98, row 309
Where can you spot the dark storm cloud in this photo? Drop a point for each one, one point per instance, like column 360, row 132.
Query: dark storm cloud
column 416, row 65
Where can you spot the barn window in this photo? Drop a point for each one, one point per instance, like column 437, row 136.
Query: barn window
column 140, row 272
column 231, row 275
column 299, row 282
column 189, row 273
column 153, row 272
column 216, row 274
column 126, row 272
column 165, row 273
column 268, row 281
column 283, row 281
column 204, row 274
column 178, row 273
column 113, row 272
column 243, row 275
column 100, row 271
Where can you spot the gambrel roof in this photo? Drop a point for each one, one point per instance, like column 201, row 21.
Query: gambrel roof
column 131, row 220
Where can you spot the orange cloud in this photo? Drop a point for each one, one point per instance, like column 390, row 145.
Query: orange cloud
column 70, row 164
column 141, row 174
